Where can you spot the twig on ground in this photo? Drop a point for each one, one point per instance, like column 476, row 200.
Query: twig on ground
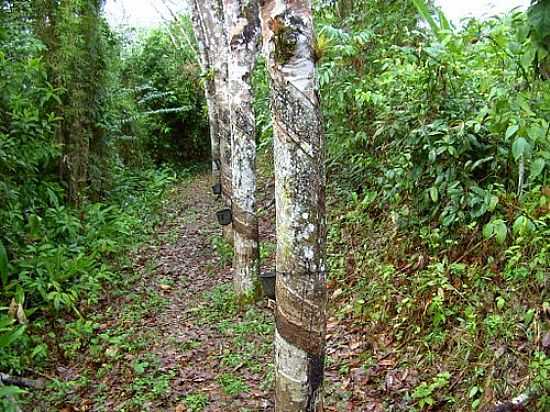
column 516, row 404
column 6, row 379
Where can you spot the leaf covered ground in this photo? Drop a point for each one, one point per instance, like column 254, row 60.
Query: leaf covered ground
column 169, row 335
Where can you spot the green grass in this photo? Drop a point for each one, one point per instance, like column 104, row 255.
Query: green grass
column 232, row 385
column 196, row 402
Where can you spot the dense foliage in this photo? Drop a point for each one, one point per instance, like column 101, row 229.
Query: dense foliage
column 78, row 143
column 439, row 146
column 438, row 153
column 163, row 76
column 438, row 141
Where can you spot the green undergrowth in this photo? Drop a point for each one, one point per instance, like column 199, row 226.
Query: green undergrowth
column 469, row 324
column 66, row 264
column 249, row 329
column 438, row 145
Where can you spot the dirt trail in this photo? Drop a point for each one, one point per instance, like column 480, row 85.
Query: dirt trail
column 173, row 339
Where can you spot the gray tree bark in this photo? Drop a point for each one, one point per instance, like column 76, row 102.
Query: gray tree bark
column 243, row 29
column 206, row 63
column 287, row 30
column 211, row 14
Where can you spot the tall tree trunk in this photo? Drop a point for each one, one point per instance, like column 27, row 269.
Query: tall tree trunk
column 212, row 14
column 287, row 30
column 205, row 60
column 243, row 29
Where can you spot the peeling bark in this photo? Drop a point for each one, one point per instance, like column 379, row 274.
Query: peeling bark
column 287, row 30
column 243, row 32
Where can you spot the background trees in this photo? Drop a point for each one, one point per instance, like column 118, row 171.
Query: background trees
column 85, row 144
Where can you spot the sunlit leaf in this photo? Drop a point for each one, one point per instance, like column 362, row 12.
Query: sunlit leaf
column 537, row 167
column 520, row 148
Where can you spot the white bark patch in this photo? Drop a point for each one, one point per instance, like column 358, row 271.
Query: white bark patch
column 291, row 362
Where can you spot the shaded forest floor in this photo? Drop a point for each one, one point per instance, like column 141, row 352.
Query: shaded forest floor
column 170, row 337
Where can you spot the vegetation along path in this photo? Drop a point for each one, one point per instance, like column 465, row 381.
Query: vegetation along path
column 173, row 339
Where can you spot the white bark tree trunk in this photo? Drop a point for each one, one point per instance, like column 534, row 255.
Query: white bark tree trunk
column 212, row 15
column 243, row 31
column 206, row 63
column 287, row 30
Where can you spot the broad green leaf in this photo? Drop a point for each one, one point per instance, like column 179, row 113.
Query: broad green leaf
column 529, row 316
column 492, row 204
column 3, row 264
column 520, row 148
column 512, row 130
column 520, row 225
column 445, row 24
column 10, row 337
column 536, row 133
column 537, row 167
column 500, row 232
column 6, row 391
column 434, row 195
column 488, row 230
column 527, row 57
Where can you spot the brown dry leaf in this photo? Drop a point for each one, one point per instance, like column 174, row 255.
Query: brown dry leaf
column 375, row 407
column 356, row 345
column 181, row 408
column 387, row 362
column 21, row 317
column 12, row 311
column 337, row 293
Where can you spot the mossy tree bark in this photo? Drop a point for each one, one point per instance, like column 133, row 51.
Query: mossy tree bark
column 243, row 30
column 206, row 48
column 287, row 30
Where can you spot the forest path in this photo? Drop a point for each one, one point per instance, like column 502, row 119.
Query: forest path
column 171, row 339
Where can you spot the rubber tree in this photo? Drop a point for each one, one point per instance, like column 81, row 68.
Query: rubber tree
column 243, row 28
column 207, row 48
column 288, row 38
column 212, row 15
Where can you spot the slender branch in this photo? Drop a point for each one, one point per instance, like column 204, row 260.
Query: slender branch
column 182, row 29
column 6, row 379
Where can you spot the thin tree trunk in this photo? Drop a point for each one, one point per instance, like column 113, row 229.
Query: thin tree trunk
column 212, row 14
column 287, row 30
column 243, row 28
column 205, row 59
